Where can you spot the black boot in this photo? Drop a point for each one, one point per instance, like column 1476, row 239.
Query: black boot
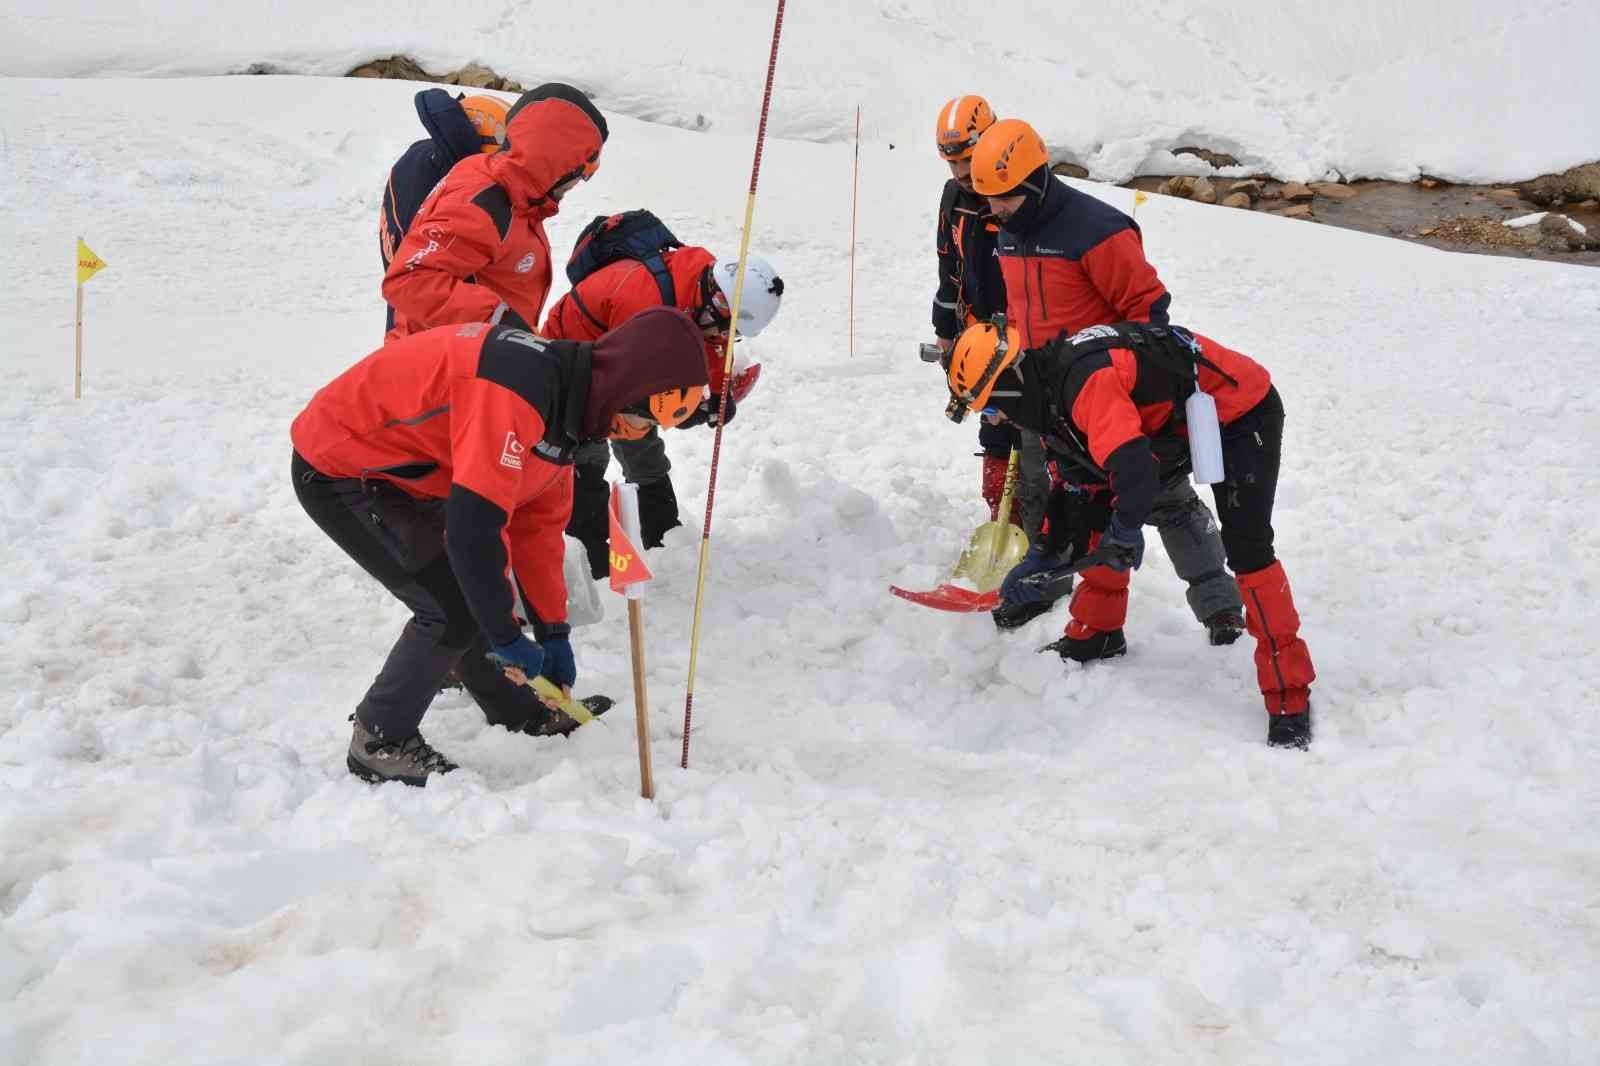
column 658, row 511
column 1290, row 730
column 1224, row 627
column 1016, row 615
column 1097, row 645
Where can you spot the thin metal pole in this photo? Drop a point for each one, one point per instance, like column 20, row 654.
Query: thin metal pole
column 77, row 359
column 727, row 381
column 855, row 185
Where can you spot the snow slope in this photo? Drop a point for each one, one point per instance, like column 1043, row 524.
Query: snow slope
column 903, row 837
column 1469, row 90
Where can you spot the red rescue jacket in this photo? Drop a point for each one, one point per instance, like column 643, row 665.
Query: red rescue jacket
column 478, row 240
column 1115, row 408
column 485, row 417
column 618, row 291
column 1076, row 262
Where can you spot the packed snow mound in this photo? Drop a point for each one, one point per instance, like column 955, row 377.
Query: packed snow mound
column 1302, row 89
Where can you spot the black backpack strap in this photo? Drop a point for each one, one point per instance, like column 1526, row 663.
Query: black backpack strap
column 657, row 266
column 578, row 302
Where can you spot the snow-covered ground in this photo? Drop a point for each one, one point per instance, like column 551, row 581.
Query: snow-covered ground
column 903, row 837
column 1468, row 90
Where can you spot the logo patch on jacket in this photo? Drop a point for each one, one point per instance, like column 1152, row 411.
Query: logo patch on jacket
column 525, row 264
column 511, row 453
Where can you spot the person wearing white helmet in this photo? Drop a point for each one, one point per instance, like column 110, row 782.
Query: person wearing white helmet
column 621, row 265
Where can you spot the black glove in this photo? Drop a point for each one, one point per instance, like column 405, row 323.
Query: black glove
column 707, row 414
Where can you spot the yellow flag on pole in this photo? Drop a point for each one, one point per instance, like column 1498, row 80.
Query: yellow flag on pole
column 1138, row 200
column 89, row 264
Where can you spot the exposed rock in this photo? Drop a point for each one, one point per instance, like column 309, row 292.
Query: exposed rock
column 1069, row 169
column 1506, row 195
column 1204, row 192
column 1251, row 188
column 1579, row 183
column 1479, row 229
column 1182, row 187
column 1590, row 205
column 1295, row 211
column 477, row 76
column 1236, row 199
column 1295, row 192
column 1271, row 192
column 1216, row 159
column 473, row 75
column 1557, row 233
column 1429, row 183
column 403, row 67
column 1334, row 191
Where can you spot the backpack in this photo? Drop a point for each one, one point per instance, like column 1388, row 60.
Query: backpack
column 635, row 234
column 1172, row 349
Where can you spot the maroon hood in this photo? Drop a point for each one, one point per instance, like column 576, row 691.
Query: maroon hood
column 655, row 350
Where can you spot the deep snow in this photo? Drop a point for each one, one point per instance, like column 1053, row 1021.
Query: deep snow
column 903, row 838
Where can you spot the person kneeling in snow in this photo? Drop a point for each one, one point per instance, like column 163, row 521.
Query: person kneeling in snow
column 1109, row 402
column 442, row 464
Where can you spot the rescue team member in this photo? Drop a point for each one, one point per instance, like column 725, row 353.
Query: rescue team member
column 442, row 464
column 1110, row 404
column 477, row 247
column 1071, row 261
column 700, row 285
column 458, row 127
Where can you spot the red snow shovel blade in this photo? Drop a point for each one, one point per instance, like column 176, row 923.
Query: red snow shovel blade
column 951, row 598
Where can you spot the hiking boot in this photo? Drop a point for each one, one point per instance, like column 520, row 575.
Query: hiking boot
column 409, row 761
column 1289, row 730
column 1086, row 649
column 1224, row 627
column 1015, row 615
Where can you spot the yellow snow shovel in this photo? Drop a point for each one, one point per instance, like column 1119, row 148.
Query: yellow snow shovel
column 995, row 546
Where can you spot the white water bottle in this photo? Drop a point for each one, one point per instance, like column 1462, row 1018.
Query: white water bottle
column 1205, row 437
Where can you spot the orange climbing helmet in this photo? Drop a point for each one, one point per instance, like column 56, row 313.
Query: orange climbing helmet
column 488, row 117
column 664, row 409
column 1006, row 154
column 961, row 122
column 981, row 353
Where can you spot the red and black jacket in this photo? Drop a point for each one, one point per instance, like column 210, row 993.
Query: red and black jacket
column 1112, row 407
column 1075, row 262
column 477, row 246
column 971, row 286
column 484, row 417
column 618, row 291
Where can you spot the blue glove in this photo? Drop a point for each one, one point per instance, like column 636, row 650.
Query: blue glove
column 522, row 653
column 1121, row 548
column 559, row 665
column 1016, row 590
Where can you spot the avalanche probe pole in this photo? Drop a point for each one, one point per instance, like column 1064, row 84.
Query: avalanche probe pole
column 855, row 186
column 727, row 381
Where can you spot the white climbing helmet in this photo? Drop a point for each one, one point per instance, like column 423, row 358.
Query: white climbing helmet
column 763, row 289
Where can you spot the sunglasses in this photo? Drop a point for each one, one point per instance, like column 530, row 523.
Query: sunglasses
column 954, row 150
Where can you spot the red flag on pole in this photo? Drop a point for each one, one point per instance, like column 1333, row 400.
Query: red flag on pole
column 627, row 564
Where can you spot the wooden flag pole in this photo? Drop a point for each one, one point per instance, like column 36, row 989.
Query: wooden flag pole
column 641, row 714
column 77, row 359
column 855, row 185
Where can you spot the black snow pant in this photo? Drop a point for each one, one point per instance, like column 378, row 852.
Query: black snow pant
column 399, row 540
column 1251, row 448
column 645, row 464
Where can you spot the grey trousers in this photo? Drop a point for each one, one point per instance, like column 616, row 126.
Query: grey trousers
column 643, row 460
column 1194, row 544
